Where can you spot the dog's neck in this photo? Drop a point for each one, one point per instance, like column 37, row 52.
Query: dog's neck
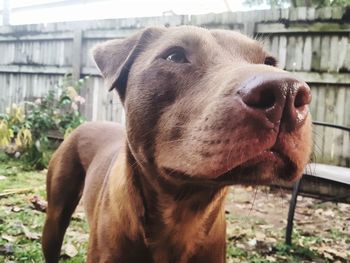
column 177, row 222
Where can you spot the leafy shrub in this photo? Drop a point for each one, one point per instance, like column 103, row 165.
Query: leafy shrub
column 24, row 127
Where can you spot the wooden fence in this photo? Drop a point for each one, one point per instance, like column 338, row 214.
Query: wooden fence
column 313, row 43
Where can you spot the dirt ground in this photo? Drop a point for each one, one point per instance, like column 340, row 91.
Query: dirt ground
column 258, row 217
column 256, row 221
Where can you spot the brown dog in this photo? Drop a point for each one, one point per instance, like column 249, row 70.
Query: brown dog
column 205, row 109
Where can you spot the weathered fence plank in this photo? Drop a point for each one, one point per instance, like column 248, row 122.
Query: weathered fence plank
column 282, row 52
column 307, row 54
column 77, row 48
column 325, row 50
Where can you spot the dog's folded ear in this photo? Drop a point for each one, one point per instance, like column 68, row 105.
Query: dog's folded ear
column 114, row 58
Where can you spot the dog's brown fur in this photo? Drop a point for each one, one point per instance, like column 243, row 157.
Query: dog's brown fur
column 156, row 192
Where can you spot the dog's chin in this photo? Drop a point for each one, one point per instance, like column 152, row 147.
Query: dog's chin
column 265, row 168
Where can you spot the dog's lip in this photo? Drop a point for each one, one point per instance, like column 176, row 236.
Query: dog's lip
column 274, row 156
column 267, row 155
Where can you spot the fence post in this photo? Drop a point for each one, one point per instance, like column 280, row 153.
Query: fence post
column 6, row 12
column 77, row 47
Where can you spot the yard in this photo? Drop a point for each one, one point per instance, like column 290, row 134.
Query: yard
column 256, row 220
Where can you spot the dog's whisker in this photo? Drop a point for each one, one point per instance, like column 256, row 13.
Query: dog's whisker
column 254, row 198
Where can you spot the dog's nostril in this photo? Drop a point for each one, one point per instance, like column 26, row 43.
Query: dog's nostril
column 267, row 100
column 260, row 99
column 302, row 98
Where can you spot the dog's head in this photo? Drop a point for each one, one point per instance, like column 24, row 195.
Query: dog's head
column 208, row 105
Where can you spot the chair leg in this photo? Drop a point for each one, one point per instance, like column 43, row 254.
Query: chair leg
column 292, row 205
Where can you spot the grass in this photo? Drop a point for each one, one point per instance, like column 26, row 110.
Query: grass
column 247, row 243
column 249, row 239
column 21, row 225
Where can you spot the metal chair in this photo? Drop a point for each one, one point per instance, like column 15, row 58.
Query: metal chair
column 330, row 178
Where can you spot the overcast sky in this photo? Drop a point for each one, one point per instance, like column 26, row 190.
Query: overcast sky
column 118, row 9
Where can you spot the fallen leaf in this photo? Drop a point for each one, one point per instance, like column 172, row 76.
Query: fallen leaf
column 70, row 250
column 260, row 236
column 6, row 249
column 266, row 226
column 328, row 256
column 29, row 234
column 329, row 213
column 8, row 238
column 78, row 216
column 270, row 258
column 252, row 242
column 16, row 209
column 271, row 240
column 78, row 236
column 39, row 205
column 336, row 253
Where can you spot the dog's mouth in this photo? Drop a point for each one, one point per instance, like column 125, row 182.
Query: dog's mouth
column 264, row 168
column 268, row 166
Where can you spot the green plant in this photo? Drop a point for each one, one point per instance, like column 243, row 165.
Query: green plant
column 24, row 127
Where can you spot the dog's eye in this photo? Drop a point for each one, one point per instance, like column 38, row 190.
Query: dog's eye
column 271, row 61
column 177, row 57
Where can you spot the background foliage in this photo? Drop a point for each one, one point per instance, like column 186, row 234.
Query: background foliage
column 24, row 128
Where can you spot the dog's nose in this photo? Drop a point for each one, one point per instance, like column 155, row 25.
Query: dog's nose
column 280, row 98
